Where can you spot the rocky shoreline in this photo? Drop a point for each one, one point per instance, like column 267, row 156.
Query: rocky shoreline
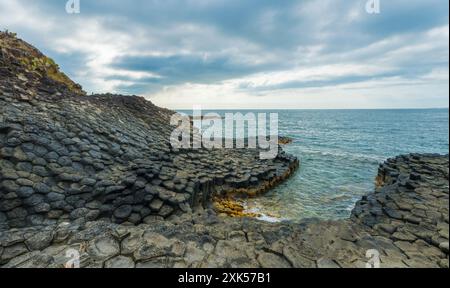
column 382, row 221
column 97, row 174
column 70, row 157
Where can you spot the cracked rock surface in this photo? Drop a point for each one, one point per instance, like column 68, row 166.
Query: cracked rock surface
column 97, row 175
column 204, row 239
column 65, row 156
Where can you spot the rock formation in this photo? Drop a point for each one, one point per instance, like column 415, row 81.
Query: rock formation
column 67, row 156
column 97, row 174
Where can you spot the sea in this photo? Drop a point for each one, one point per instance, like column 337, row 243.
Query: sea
column 340, row 152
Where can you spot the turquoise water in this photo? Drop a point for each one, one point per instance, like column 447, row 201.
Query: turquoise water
column 340, row 151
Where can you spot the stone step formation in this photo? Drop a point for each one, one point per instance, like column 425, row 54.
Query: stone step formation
column 97, row 174
column 381, row 222
column 66, row 156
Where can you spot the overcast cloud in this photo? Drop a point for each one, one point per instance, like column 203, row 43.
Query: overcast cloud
column 247, row 53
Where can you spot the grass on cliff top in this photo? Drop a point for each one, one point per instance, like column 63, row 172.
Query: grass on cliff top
column 32, row 60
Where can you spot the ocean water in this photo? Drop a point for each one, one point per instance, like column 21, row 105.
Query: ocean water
column 340, row 151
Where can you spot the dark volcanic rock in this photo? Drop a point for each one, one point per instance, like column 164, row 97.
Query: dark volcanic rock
column 62, row 149
column 77, row 170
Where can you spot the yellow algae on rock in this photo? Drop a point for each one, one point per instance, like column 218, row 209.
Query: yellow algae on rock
column 232, row 207
column 229, row 202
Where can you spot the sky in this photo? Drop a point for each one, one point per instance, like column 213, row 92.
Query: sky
column 248, row 54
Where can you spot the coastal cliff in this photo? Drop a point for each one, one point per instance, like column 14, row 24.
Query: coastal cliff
column 67, row 156
column 97, row 174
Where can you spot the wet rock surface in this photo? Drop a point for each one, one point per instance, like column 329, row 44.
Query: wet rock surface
column 97, row 175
